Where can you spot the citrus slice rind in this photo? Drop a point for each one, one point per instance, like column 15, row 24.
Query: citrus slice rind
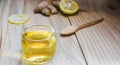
column 73, row 10
column 18, row 19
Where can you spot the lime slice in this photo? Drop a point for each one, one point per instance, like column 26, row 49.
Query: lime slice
column 18, row 19
column 68, row 7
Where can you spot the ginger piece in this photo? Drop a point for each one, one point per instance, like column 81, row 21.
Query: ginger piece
column 46, row 7
column 46, row 11
column 52, row 9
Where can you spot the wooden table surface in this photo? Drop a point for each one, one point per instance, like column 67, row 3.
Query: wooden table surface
column 96, row 45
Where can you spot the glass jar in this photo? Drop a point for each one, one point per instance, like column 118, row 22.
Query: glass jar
column 38, row 44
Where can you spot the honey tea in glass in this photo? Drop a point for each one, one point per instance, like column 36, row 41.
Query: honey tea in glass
column 38, row 44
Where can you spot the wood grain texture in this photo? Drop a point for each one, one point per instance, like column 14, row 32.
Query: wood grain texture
column 11, row 34
column 96, row 45
column 100, row 43
column 1, row 8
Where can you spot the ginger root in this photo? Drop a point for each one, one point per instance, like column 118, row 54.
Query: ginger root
column 47, row 7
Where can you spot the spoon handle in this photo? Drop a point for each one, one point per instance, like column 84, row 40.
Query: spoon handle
column 90, row 23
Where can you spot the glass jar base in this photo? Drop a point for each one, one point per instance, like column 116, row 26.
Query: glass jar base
column 37, row 60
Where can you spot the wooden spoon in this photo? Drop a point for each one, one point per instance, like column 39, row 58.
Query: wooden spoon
column 72, row 29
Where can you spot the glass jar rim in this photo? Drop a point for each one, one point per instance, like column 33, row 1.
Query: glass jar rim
column 51, row 35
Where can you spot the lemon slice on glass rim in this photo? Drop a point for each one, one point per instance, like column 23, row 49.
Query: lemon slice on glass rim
column 68, row 8
column 18, row 19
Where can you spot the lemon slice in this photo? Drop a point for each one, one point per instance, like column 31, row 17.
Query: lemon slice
column 68, row 7
column 18, row 19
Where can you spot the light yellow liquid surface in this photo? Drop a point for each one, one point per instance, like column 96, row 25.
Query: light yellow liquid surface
column 36, row 48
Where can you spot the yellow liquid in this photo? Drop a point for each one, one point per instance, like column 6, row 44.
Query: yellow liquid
column 36, row 51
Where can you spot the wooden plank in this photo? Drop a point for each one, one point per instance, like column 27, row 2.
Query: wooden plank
column 1, row 8
column 5, row 15
column 68, row 51
column 100, row 43
column 11, row 37
column 67, row 46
